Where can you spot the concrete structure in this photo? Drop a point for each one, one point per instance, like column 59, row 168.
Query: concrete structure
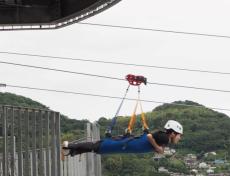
column 30, row 141
column 48, row 14
column 30, row 145
column 88, row 164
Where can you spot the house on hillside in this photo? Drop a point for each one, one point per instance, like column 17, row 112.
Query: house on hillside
column 163, row 170
column 191, row 161
column 218, row 162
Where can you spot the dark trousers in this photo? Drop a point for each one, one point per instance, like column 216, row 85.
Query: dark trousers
column 83, row 147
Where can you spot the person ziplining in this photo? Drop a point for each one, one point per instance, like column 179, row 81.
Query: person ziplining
column 147, row 142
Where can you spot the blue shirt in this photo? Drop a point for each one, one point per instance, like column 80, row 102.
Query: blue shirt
column 131, row 144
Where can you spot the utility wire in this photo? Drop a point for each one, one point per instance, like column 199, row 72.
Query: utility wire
column 189, row 87
column 156, row 30
column 116, row 63
column 105, row 96
column 59, row 70
column 114, row 78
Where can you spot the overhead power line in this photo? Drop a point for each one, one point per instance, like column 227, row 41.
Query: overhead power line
column 113, row 78
column 59, row 70
column 106, row 96
column 189, row 87
column 156, row 30
column 116, row 63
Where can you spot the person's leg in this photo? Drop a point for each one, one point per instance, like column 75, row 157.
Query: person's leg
column 84, row 147
column 96, row 146
column 79, row 148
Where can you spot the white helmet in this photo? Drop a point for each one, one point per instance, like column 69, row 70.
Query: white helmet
column 174, row 125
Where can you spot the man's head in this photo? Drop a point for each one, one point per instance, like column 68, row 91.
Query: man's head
column 175, row 130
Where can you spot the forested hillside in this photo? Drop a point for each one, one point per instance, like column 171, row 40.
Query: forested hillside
column 204, row 130
column 17, row 100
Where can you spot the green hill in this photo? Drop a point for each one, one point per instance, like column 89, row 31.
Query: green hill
column 204, row 129
column 17, row 100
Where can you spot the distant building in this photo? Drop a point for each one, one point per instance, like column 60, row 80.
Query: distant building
column 210, row 153
column 169, row 152
column 220, row 174
column 219, row 162
column 210, row 171
column 179, row 174
column 191, row 160
column 163, row 170
column 194, row 171
column 203, row 165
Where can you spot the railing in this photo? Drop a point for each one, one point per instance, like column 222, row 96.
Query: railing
column 30, row 142
column 30, row 145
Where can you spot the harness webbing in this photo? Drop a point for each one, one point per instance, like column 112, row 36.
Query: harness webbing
column 134, row 81
column 133, row 117
column 110, row 128
column 132, row 120
column 143, row 119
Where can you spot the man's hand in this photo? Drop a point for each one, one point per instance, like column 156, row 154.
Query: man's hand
column 159, row 149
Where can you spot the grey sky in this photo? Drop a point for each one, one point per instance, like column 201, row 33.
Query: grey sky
column 130, row 46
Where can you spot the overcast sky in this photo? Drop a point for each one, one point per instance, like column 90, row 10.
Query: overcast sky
column 129, row 46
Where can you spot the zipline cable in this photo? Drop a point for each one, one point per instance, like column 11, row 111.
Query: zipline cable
column 114, row 78
column 156, row 30
column 59, row 70
column 116, row 63
column 106, row 96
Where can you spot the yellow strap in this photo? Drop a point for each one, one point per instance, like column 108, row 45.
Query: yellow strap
column 131, row 123
column 132, row 119
column 143, row 118
column 144, row 122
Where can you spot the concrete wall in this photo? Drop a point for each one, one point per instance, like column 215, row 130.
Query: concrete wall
column 87, row 164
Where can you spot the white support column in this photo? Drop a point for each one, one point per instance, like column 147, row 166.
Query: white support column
column 90, row 156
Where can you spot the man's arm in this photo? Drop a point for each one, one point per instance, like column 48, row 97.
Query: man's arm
column 158, row 148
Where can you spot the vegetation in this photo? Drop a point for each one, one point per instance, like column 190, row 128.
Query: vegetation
column 17, row 100
column 205, row 130
column 72, row 129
